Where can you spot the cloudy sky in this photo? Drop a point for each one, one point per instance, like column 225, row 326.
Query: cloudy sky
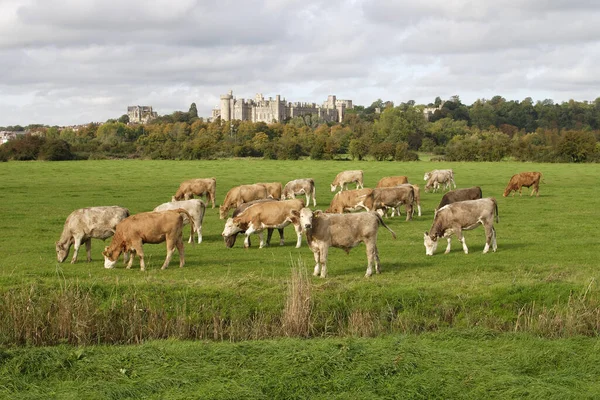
column 75, row 61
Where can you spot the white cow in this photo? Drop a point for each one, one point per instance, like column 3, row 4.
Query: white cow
column 195, row 207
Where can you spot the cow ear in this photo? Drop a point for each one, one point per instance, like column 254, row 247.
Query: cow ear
column 295, row 213
column 316, row 213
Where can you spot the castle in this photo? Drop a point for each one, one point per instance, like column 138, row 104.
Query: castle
column 141, row 114
column 277, row 110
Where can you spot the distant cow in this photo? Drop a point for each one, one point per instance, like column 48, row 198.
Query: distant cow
column 148, row 227
column 391, row 181
column 343, row 231
column 230, row 239
column 86, row 223
column 345, row 177
column 194, row 207
column 273, row 189
column 385, row 198
column 351, row 200
column 463, row 215
column 439, row 176
column 199, row 187
column 472, row 193
column 241, row 194
column 260, row 216
column 417, row 193
column 526, row 179
column 300, row 186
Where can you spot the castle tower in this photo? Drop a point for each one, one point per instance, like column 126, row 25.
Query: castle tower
column 226, row 109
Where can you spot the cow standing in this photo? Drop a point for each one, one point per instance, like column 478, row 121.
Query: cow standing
column 199, row 187
column 273, row 189
column 345, row 177
column 436, row 177
column 230, row 239
column 351, row 200
column 453, row 196
column 304, row 186
column 343, row 231
column 386, row 198
column 526, row 179
column 241, row 194
column 463, row 215
column 84, row 224
column 195, row 207
column 391, row 181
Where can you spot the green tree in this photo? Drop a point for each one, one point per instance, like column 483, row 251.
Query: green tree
column 193, row 112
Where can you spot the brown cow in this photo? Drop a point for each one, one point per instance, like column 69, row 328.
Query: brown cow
column 241, row 194
column 417, row 193
column 84, row 224
column 300, row 186
column 195, row 207
column 391, row 181
column 259, row 216
column 199, row 187
column 463, row 215
column 351, row 200
column 148, row 227
column 472, row 193
column 230, row 240
column 345, row 177
column 343, row 231
column 526, row 179
column 385, row 198
column 273, row 189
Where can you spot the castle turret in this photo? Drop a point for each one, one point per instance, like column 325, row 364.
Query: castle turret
column 226, row 110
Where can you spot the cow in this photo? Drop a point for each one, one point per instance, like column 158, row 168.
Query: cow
column 300, row 186
column 195, row 207
column 385, row 198
column 199, row 187
column 417, row 193
column 273, row 189
column 526, row 179
column 343, row 231
column 84, row 224
column 351, row 200
column 230, row 239
column 434, row 178
column 472, row 193
column 345, row 177
column 463, row 215
column 148, row 227
column 241, row 194
column 260, row 216
column 391, row 181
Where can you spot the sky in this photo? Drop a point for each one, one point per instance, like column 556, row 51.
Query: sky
column 66, row 62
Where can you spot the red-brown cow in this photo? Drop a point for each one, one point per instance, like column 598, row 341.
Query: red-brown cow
column 526, row 179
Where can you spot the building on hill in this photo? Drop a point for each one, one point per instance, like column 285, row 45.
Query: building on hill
column 141, row 114
column 277, row 110
column 5, row 136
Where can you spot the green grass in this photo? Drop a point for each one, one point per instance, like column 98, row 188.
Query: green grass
column 536, row 298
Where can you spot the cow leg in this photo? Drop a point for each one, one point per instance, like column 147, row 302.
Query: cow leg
column 262, row 241
column 419, row 208
column 461, row 238
column 198, row 231
column 212, row 200
column 448, row 246
column 494, row 244
column 281, row 241
column 191, row 239
column 372, row 258
column 324, row 250
column 88, row 249
column 269, row 234
column 132, row 254
column 298, row 230
column 170, row 251
column 181, row 251
column 76, row 245
column 139, row 250
column 314, row 200
column 409, row 211
column 307, row 199
column 316, row 254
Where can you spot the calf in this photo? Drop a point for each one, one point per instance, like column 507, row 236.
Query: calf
column 385, row 198
column 194, row 207
column 435, row 177
column 259, row 216
column 230, row 239
column 345, row 177
column 84, row 224
column 351, row 200
column 199, row 187
column 526, row 179
column 472, row 193
column 343, row 231
column 239, row 195
column 463, row 215
column 148, row 227
column 273, row 189
column 391, row 181
column 300, row 186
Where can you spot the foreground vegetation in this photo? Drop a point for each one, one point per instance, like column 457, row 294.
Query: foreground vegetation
column 522, row 321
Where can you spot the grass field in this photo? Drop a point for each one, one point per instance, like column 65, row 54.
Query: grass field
column 522, row 322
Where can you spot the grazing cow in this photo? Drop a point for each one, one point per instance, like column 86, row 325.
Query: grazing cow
column 472, row 193
column 385, row 198
column 434, row 178
column 86, row 223
column 417, row 193
column 345, row 177
column 300, row 186
column 230, row 240
column 391, row 181
column 194, row 207
column 463, row 215
column 526, row 179
column 241, row 194
column 351, row 200
column 273, row 189
column 149, row 227
column 259, row 216
column 343, row 231
column 199, row 187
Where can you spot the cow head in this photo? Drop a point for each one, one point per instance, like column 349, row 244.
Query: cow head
column 426, row 176
column 62, row 251
column 430, row 243
column 506, row 191
column 333, row 187
column 232, row 227
column 230, row 240
column 109, row 258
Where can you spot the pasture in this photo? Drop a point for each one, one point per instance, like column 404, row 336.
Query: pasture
column 538, row 291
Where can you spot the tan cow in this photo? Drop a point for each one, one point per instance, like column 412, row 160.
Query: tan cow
column 351, row 200
column 391, row 181
column 86, row 223
column 436, row 177
column 343, row 231
column 199, row 187
column 260, row 216
column 304, row 186
column 385, row 198
column 526, row 179
column 230, row 239
column 345, row 177
column 241, row 194
column 463, row 215
column 195, row 207
column 273, row 189
column 148, row 227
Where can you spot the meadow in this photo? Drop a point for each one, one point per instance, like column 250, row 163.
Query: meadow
column 254, row 323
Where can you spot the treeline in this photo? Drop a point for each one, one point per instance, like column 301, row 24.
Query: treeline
column 487, row 130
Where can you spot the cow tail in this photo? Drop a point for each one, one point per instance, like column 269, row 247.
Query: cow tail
column 384, row 225
column 192, row 223
column 496, row 210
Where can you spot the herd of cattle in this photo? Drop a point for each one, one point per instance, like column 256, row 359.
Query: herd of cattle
column 269, row 206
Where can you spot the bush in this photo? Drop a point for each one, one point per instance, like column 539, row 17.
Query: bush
column 56, row 150
column 404, row 154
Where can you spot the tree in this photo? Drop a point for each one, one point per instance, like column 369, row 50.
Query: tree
column 124, row 119
column 193, row 112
